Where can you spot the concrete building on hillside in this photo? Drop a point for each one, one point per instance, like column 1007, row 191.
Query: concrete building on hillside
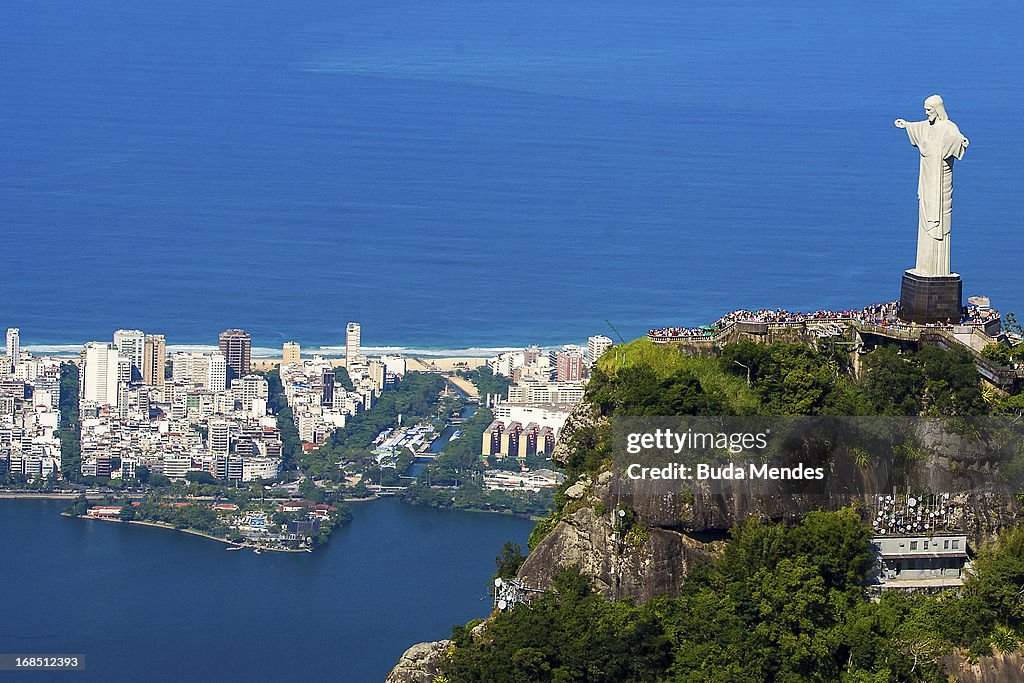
column 921, row 561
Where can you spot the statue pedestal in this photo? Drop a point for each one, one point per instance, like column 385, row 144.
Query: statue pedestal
column 931, row 299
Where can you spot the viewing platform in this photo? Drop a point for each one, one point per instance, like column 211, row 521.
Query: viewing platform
column 860, row 331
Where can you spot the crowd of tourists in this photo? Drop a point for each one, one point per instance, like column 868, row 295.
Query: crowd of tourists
column 883, row 315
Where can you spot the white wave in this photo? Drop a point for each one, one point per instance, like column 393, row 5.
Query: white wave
column 328, row 350
column 53, row 349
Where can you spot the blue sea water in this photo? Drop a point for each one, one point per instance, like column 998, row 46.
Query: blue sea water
column 485, row 173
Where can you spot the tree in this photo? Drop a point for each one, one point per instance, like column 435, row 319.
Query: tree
column 311, row 492
column 951, row 382
column 79, row 506
column 509, row 561
column 1011, row 325
column 893, row 383
column 200, row 477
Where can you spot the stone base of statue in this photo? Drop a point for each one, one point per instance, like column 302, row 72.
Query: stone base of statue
column 931, row 298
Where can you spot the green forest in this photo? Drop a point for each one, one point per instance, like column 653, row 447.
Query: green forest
column 779, row 604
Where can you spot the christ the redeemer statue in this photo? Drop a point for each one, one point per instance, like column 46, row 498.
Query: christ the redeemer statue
column 940, row 143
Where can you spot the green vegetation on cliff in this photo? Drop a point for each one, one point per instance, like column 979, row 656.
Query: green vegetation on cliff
column 779, row 604
column 785, row 378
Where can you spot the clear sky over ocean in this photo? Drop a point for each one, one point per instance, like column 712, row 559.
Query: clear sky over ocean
column 458, row 173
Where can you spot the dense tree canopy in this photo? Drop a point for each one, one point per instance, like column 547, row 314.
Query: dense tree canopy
column 780, row 604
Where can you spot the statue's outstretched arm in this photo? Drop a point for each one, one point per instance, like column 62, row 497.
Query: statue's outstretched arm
column 900, row 123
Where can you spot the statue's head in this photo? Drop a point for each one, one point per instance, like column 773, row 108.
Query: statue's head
column 935, row 109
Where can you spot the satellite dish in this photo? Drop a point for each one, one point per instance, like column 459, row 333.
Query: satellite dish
column 502, row 604
column 912, row 502
column 498, row 582
column 622, row 513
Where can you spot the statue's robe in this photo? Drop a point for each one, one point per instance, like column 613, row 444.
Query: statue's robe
column 940, row 143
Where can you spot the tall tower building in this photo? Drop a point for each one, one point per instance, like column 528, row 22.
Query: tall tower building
column 327, row 377
column 236, row 345
column 181, row 367
column 568, row 365
column 154, row 358
column 99, row 377
column 131, row 344
column 217, row 372
column 13, row 344
column 291, row 353
column 219, row 437
column 596, row 346
column 352, row 334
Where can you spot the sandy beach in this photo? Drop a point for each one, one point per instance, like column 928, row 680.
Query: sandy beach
column 422, row 364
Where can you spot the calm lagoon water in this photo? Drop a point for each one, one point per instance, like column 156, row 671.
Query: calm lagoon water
column 149, row 604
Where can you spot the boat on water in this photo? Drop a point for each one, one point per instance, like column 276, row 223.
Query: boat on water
column 257, row 551
column 234, row 547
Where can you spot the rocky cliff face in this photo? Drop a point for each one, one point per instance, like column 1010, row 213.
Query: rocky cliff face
column 420, row 663
column 1000, row 668
column 648, row 550
column 669, row 527
column 642, row 564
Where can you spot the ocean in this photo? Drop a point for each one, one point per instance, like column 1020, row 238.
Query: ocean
column 486, row 174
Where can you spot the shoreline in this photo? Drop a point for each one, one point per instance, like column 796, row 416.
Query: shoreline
column 193, row 532
column 97, row 496
column 16, row 495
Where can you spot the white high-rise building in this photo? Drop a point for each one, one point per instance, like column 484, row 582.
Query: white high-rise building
column 181, row 367
column 99, row 373
column 132, row 345
column 124, row 369
column 192, row 368
column 13, row 344
column 217, row 372
column 249, row 389
column 596, row 346
column 352, row 335
column 219, row 437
